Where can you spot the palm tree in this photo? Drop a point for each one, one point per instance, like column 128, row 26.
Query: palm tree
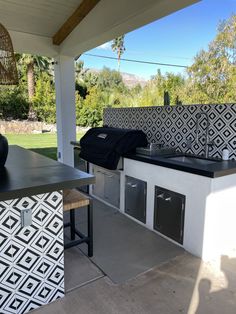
column 80, row 72
column 119, row 47
column 32, row 62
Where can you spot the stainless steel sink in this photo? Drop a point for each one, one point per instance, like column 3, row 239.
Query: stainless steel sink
column 154, row 150
column 192, row 160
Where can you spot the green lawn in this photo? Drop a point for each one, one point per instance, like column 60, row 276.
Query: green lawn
column 45, row 144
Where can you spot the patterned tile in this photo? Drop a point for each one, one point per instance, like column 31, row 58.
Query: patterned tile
column 5, row 296
column 31, row 257
column 9, row 306
column 173, row 125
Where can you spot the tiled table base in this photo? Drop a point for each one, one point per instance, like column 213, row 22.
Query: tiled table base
column 31, row 258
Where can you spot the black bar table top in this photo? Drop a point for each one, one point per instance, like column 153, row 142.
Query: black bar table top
column 28, row 173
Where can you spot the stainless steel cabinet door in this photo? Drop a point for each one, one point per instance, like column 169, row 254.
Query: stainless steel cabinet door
column 98, row 187
column 112, row 188
column 135, row 198
column 107, row 185
column 169, row 213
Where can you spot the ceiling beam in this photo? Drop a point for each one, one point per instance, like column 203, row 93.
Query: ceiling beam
column 79, row 14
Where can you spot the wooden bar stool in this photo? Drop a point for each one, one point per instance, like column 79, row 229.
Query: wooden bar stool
column 72, row 200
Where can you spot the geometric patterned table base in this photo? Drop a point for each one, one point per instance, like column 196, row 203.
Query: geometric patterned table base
column 31, row 258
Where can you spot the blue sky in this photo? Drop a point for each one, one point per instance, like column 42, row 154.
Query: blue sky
column 174, row 39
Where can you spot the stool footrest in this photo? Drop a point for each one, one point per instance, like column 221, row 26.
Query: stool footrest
column 79, row 234
column 76, row 242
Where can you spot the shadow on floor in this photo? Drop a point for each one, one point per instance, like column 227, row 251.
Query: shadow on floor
column 223, row 300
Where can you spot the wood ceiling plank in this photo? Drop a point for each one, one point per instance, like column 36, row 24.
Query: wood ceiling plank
column 80, row 13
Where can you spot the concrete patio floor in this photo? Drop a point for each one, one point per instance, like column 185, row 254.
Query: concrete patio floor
column 162, row 279
column 182, row 285
column 123, row 248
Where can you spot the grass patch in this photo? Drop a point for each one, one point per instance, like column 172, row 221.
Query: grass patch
column 44, row 144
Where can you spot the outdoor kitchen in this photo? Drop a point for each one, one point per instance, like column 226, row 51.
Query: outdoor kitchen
column 181, row 186
column 117, row 157
column 156, row 193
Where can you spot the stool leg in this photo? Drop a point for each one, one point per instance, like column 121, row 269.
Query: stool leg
column 90, row 229
column 72, row 224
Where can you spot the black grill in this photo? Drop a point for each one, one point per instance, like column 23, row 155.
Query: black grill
column 104, row 146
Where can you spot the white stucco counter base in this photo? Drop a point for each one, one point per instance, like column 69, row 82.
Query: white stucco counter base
column 210, row 209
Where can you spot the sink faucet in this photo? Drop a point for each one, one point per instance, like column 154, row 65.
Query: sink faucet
column 207, row 143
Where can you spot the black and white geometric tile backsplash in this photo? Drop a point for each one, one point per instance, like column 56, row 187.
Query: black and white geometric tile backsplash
column 174, row 125
column 31, row 258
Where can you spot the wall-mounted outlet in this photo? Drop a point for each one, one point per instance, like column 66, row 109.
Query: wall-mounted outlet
column 26, row 217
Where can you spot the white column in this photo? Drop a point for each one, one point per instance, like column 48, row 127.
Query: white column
column 65, row 108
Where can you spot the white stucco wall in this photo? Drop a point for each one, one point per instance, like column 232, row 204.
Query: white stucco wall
column 210, row 211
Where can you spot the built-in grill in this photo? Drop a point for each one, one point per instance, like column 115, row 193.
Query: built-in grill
column 104, row 146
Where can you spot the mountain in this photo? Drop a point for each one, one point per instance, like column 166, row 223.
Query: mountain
column 132, row 80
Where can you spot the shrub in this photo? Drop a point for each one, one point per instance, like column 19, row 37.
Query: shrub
column 44, row 102
column 13, row 103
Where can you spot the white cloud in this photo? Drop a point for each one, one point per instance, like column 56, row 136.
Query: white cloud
column 105, row 46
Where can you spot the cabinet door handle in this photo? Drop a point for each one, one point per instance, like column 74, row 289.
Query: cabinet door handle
column 160, row 196
column 132, row 185
column 108, row 175
column 99, row 171
column 105, row 174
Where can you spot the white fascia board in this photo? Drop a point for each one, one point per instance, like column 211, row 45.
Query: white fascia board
column 33, row 44
column 112, row 18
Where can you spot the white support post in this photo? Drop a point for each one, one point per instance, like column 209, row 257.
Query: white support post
column 65, row 108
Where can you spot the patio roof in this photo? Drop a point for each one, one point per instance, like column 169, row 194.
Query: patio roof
column 32, row 24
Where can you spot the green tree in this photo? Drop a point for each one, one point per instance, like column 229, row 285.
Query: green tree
column 44, row 99
column 30, row 64
column 89, row 112
column 213, row 74
column 80, row 84
column 109, row 80
column 13, row 102
column 170, row 82
column 118, row 46
column 150, row 96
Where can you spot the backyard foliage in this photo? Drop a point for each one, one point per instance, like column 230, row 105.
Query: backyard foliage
column 210, row 79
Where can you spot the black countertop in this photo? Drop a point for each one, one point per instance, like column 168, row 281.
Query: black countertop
column 75, row 143
column 28, row 173
column 213, row 170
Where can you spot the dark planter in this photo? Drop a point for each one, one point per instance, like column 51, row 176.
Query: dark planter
column 3, row 150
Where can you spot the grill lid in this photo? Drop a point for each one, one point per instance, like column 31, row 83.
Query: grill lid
column 104, row 146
